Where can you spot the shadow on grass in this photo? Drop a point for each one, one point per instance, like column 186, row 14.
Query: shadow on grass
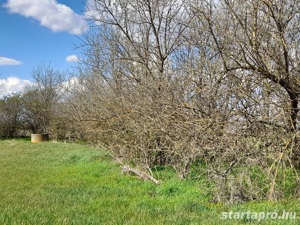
column 25, row 139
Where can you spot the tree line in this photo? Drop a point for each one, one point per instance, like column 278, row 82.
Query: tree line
column 209, row 88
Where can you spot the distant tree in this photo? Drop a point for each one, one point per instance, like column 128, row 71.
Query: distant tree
column 41, row 97
column 11, row 115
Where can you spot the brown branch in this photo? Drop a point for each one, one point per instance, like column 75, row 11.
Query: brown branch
column 140, row 174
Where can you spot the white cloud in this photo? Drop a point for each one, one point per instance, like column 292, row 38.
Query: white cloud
column 72, row 58
column 12, row 85
column 69, row 85
column 50, row 13
column 7, row 61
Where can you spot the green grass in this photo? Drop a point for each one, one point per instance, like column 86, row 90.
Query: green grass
column 63, row 183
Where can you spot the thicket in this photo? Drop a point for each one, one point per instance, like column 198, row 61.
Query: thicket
column 209, row 88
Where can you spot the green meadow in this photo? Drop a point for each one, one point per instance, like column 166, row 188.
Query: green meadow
column 68, row 183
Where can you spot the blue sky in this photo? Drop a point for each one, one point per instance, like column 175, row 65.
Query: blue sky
column 35, row 31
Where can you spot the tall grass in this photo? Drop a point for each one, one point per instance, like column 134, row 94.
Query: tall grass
column 63, row 183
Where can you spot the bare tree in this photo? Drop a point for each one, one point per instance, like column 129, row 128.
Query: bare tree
column 40, row 99
column 256, row 43
column 137, row 38
column 259, row 40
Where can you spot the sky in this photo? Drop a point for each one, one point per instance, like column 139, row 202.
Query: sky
column 33, row 32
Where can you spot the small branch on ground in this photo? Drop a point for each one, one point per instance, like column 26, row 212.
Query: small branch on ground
column 140, row 174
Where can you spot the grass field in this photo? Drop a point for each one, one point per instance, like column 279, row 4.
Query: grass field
column 63, row 183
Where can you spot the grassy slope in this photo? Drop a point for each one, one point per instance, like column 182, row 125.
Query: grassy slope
column 57, row 183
